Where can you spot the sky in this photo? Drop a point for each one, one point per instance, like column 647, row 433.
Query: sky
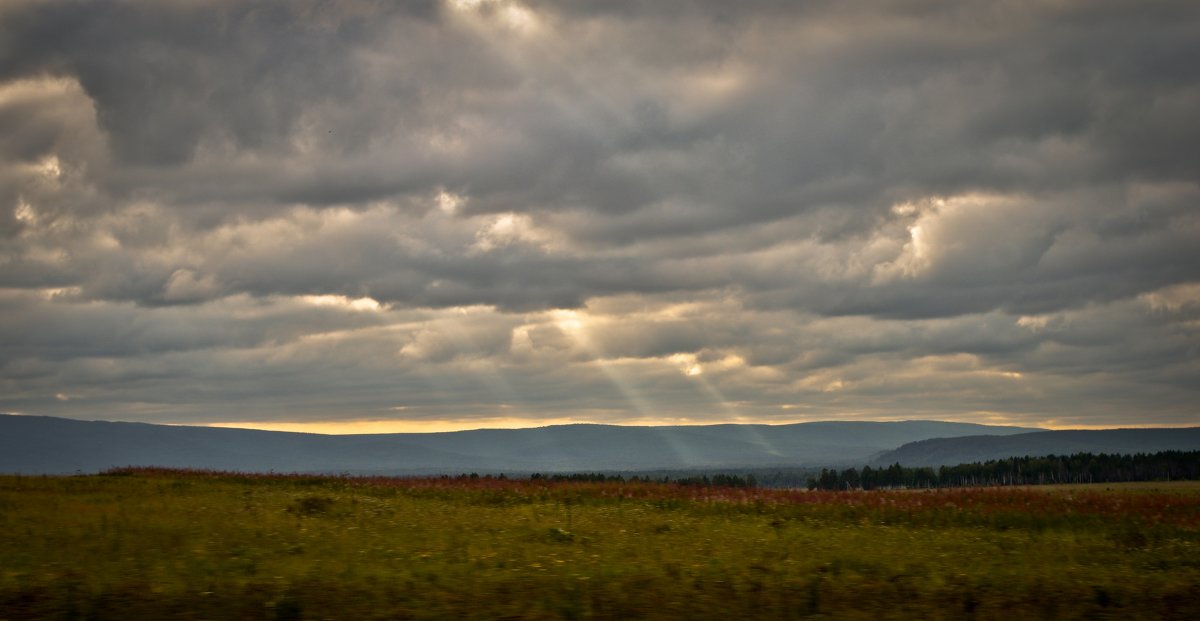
column 360, row 216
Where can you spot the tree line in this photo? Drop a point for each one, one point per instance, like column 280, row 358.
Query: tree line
column 1076, row 468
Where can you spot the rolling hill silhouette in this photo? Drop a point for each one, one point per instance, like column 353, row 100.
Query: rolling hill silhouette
column 968, row 449
column 41, row 445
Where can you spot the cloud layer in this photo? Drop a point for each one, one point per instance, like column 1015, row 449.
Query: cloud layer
column 484, row 210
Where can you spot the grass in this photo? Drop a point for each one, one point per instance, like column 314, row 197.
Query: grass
column 1166, row 487
column 162, row 544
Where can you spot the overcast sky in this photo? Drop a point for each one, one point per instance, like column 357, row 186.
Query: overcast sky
column 358, row 215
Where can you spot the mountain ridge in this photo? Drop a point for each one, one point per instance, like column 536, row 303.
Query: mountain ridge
column 970, row 449
column 49, row 445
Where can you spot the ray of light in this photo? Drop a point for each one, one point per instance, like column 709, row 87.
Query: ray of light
column 575, row 327
column 732, row 413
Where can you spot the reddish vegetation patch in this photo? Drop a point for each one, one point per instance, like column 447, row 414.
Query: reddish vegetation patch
column 1179, row 510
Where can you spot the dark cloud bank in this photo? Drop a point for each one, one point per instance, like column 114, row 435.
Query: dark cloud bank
column 605, row 211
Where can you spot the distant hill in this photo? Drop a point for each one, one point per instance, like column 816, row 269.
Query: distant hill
column 968, row 449
column 42, row 445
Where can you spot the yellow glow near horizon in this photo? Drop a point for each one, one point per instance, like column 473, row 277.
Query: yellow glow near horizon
column 351, row 427
column 371, row 426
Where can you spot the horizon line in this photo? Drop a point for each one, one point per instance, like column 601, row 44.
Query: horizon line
column 392, row 426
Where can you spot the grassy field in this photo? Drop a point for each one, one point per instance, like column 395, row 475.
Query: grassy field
column 1166, row 487
column 171, row 545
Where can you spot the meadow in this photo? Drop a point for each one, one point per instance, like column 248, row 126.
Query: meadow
column 157, row 544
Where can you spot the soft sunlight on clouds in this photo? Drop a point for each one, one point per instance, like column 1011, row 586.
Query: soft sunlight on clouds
column 1175, row 298
column 340, row 215
column 449, row 202
column 687, row 364
column 509, row 229
column 511, row 15
column 359, row 304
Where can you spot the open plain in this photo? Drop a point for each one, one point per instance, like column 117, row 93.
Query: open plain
column 204, row 545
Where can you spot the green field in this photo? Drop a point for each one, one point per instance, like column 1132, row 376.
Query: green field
column 172, row 545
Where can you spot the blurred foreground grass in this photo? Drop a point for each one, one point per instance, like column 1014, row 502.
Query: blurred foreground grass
column 161, row 544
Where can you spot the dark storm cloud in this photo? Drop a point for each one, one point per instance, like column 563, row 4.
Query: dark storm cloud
column 166, row 78
column 819, row 203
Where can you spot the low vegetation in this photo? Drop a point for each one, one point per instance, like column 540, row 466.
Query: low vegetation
column 141, row 543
